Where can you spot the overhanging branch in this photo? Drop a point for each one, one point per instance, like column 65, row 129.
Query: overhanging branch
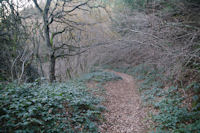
column 72, row 54
column 37, row 6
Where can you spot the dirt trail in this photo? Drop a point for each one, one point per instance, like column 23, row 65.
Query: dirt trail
column 125, row 112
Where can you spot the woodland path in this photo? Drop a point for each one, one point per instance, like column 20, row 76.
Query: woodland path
column 125, row 112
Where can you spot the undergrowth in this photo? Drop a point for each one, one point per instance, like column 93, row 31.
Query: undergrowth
column 57, row 107
column 100, row 76
column 174, row 115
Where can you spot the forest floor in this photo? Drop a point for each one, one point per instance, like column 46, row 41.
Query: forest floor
column 125, row 113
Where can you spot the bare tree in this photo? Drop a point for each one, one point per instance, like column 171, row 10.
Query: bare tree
column 59, row 12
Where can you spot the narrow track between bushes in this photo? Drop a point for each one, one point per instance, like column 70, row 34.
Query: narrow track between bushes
column 125, row 112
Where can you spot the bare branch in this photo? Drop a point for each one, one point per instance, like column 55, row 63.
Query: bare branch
column 13, row 64
column 60, row 13
column 77, row 7
column 68, row 54
column 37, row 6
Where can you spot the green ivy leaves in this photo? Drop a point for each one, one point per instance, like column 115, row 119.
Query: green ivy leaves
column 58, row 107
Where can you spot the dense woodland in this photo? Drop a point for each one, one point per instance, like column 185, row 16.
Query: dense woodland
column 52, row 49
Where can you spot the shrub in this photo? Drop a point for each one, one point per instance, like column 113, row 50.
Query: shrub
column 100, row 76
column 174, row 115
column 57, row 107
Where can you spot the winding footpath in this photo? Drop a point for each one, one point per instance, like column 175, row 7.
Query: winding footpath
column 125, row 112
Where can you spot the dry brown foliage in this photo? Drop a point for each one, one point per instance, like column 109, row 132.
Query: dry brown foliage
column 126, row 37
column 169, row 42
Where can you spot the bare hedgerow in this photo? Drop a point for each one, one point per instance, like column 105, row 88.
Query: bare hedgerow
column 170, row 42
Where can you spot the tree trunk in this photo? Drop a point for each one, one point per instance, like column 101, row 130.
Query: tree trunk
column 49, row 44
column 52, row 76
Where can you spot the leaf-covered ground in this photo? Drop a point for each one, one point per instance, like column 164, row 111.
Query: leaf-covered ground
column 125, row 113
column 171, row 108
